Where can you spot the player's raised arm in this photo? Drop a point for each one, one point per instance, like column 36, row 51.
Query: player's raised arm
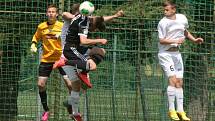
column 192, row 38
column 68, row 15
column 119, row 13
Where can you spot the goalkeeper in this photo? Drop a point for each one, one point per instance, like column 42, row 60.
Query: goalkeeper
column 48, row 34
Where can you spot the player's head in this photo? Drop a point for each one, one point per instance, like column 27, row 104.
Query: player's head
column 169, row 8
column 75, row 8
column 52, row 12
column 97, row 23
column 97, row 54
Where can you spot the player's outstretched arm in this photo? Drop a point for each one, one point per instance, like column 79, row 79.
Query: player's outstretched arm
column 192, row 38
column 119, row 13
column 85, row 41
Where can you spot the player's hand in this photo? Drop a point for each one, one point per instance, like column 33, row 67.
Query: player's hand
column 119, row 13
column 33, row 48
column 103, row 41
column 199, row 40
column 180, row 40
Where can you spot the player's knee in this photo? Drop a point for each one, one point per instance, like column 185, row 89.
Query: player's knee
column 42, row 82
column 179, row 83
column 172, row 80
column 41, row 86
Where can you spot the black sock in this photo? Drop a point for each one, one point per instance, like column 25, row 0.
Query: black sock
column 43, row 97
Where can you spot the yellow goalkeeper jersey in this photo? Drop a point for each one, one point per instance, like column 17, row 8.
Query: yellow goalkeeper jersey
column 51, row 43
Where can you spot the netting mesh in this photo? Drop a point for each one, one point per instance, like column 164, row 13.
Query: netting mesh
column 129, row 84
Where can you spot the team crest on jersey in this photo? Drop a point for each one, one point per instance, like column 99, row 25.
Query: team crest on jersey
column 85, row 31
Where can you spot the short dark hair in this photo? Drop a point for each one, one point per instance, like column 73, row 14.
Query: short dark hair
column 52, row 6
column 169, row 2
column 97, row 23
column 75, row 8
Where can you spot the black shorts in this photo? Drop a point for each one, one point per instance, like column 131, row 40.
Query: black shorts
column 45, row 69
column 75, row 58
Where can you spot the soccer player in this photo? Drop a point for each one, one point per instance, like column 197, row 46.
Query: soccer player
column 172, row 31
column 95, row 23
column 77, row 35
column 48, row 34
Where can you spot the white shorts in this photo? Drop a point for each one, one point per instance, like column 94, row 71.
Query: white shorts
column 171, row 63
column 71, row 71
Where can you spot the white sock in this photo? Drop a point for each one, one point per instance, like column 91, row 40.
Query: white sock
column 74, row 101
column 171, row 97
column 179, row 99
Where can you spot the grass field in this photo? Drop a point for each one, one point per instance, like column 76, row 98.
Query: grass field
column 126, row 101
column 127, row 105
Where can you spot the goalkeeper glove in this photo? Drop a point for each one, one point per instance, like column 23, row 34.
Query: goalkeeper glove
column 33, row 48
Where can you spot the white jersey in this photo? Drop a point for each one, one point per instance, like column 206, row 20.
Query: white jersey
column 171, row 29
column 64, row 31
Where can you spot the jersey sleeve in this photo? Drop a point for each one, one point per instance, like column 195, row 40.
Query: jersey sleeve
column 186, row 22
column 37, row 35
column 161, row 31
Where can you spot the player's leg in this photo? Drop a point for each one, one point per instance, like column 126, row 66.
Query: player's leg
column 81, row 63
column 171, row 94
column 180, row 100
column 66, row 79
column 69, row 87
column 96, row 55
column 167, row 64
column 74, row 98
column 179, row 90
column 44, row 72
